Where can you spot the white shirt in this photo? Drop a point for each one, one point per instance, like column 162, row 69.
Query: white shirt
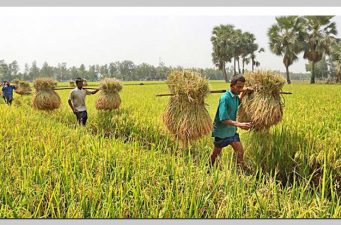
column 77, row 97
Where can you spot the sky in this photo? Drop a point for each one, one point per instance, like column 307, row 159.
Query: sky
column 174, row 35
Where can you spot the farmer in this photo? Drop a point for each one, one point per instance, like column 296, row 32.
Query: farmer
column 225, row 124
column 77, row 101
column 7, row 92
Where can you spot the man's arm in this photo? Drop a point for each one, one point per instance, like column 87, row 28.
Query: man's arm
column 71, row 106
column 242, row 125
column 70, row 103
column 91, row 92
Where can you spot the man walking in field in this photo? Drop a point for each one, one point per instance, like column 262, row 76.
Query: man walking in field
column 7, row 92
column 77, row 101
column 225, row 124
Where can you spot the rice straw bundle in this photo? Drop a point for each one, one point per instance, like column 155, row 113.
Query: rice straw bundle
column 264, row 106
column 185, row 116
column 109, row 98
column 72, row 84
column 15, row 82
column 45, row 98
column 85, row 82
column 23, row 88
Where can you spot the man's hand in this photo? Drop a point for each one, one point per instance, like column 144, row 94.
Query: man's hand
column 247, row 90
column 245, row 125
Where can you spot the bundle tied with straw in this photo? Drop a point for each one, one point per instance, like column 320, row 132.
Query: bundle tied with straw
column 264, row 106
column 109, row 98
column 45, row 98
column 185, row 116
column 72, row 83
column 23, row 88
column 15, row 82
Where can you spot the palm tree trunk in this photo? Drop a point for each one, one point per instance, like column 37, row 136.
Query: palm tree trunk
column 224, row 73
column 243, row 64
column 252, row 63
column 312, row 80
column 238, row 65
column 288, row 78
column 234, row 66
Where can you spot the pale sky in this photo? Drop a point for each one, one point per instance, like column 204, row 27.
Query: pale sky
column 176, row 36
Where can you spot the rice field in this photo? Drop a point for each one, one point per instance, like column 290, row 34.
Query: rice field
column 124, row 163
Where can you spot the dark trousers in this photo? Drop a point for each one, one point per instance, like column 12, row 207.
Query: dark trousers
column 8, row 100
column 82, row 117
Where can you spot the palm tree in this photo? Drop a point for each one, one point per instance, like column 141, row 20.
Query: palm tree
column 336, row 59
column 318, row 37
column 250, row 48
column 285, row 40
column 222, row 47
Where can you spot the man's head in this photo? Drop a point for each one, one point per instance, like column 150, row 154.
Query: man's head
column 79, row 82
column 237, row 84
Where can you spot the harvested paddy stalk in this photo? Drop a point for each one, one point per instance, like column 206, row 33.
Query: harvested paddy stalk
column 45, row 98
column 72, row 84
column 85, row 83
column 264, row 106
column 23, row 88
column 185, row 116
column 109, row 98
column 15, row 82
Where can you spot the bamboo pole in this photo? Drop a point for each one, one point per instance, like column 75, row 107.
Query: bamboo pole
column 221, row 91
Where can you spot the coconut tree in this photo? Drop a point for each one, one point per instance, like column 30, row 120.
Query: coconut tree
column 222, row 47
column 285, row 40
column 318, row 37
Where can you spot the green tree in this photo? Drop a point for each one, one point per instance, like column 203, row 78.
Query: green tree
column 222, row 42
column 319, row 35
column 285, row 40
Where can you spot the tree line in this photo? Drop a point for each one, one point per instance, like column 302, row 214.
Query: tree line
column 124, row 70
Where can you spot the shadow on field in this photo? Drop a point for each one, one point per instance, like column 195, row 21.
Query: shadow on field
column 291, row 156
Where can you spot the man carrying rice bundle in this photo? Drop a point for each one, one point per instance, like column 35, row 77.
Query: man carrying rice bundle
column 77, row 101
column 225, row 124
column 7, row 92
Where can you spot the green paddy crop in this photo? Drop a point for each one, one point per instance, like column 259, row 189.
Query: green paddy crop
column 124, row 163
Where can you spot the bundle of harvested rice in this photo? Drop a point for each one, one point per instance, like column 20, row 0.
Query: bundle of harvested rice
column 264, row 106
column 109, row 98
column 23, row 88
column 15, row 82
column 185, row 116
column 45, row 98
column 72, row 84
column 85, row 82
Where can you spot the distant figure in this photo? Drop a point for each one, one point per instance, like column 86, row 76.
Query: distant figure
column 7, row 92
column 77, row 101
column 225, row 124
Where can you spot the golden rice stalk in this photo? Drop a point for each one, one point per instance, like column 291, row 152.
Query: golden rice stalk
column 45, row 98
column 23, row 88
column 263, row 107
column 85, row 83
column 109, row 98
column 186, row 116
column 44, row 83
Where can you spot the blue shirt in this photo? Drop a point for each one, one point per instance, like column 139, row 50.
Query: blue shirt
column 227, row 110
column 7, row 91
